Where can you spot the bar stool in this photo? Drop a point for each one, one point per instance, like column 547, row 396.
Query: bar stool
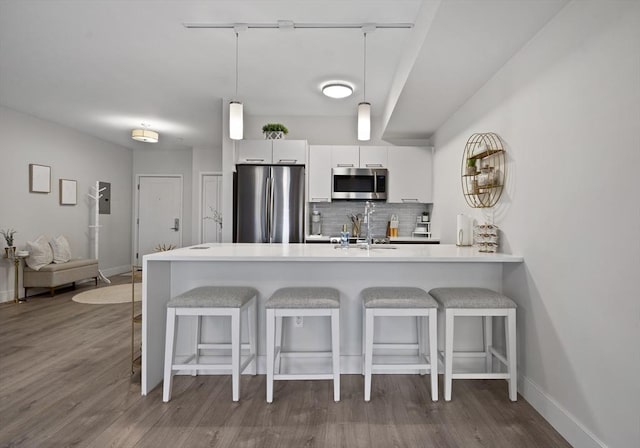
column 305, row 301
column 400, row 301
column 212, row 301
column 487, row 304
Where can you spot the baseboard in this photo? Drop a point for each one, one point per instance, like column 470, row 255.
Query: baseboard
column 116, row 270
column 6, row 296
column 561, row 419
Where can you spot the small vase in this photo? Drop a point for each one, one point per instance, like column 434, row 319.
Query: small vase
column 9, row 252
column 274, row 135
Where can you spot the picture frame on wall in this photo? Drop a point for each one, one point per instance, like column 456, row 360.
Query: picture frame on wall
column 39, row 178
column 68, row 192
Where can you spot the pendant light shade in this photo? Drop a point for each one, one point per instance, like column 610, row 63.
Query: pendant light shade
column 236, row 125
column 364, row 121
column 364, row 108
column 236, row 121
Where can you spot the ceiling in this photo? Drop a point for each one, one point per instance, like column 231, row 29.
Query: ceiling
column 105, row 66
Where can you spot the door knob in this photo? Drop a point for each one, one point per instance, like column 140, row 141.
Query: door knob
column 176, row 225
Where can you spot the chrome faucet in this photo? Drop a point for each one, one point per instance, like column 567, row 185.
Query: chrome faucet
column 369, row 208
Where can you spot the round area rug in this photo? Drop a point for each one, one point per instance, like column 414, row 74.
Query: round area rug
column 109, row 294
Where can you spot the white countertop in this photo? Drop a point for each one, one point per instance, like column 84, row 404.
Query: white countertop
column 419, row 253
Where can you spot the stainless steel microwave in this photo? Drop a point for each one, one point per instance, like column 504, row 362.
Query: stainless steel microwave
column 359, row 183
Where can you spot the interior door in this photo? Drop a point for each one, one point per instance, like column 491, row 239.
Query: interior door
column 159, row 220
column 211, row 208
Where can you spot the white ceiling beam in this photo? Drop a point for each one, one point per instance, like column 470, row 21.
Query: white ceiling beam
column 419, row 34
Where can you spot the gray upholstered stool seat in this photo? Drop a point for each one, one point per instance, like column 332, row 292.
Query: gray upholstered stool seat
column 471, row 298
column 300, row 302
column 399, row 301
column 397, row 297
column 485, row 303
column 213, row 296
column 319, row 297
column 216, row 301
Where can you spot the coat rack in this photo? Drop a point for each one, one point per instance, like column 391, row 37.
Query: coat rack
column 96, row 226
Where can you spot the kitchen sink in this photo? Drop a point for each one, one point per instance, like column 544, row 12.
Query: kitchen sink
column 372, row 247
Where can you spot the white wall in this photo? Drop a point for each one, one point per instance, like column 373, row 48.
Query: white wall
column 71, row 155
column 568, row 107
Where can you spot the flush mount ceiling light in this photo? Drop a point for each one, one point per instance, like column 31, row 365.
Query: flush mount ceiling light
column 145, row 135
column 364, row 108
column 236, row 122
column 337, row 90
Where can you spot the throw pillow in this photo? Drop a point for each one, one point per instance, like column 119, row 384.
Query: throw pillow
column 40, row 253
column 61, row 249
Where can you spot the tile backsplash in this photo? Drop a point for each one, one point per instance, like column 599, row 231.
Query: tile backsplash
column 335, row 214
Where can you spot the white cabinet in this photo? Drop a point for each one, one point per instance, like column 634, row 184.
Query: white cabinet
column 373, row 157
column 410, row 174
column 345, row 156
column 289, row 152
column 286, row 152
column 358, row 156
column 255, row 151
column 319, row 173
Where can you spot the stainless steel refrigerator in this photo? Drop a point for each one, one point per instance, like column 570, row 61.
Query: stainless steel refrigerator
column 269, row 204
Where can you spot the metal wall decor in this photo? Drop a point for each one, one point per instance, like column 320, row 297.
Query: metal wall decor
column 483, row 170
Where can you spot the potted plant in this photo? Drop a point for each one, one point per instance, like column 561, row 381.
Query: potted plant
column 274, row 131
column 8, row 237
column 471, row 167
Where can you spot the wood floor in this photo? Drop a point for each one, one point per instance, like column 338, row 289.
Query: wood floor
column 65, row 381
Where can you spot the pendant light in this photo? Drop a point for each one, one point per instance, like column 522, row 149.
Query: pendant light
column 235, row 106
column 364, row 108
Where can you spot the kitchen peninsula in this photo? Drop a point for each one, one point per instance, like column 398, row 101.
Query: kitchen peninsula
column 268, row 267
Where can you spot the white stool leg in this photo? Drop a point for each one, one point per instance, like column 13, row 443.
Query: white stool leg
column 252, row 330
column 335, row 350
column 170, row 340
column 271, row 345
column 511, row 354
column 422, row 336
column 488, row 341
column 197, row 341
column 368, row 353
column 364, row 310
column 448, row 354
column 433, row 352
column 278, row 356
column 235, row 354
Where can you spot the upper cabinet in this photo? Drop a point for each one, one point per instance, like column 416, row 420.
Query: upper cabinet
column 284, row 152
column 373, row 157
column 358, row 156
column 345, row 156
column 289, row 152
column 410, row 174
column 255, row 151
column 319, row 173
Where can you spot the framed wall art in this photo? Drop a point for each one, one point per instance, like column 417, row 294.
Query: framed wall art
column 68, row 192
column 39, row 178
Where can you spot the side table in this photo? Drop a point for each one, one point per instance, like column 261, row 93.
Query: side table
column 16, row 263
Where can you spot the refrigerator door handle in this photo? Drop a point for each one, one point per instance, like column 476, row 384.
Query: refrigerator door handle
column 271, row 210
column 267, row 210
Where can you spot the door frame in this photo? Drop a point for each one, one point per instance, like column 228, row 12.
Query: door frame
column 136, row 210
column 201, row 198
